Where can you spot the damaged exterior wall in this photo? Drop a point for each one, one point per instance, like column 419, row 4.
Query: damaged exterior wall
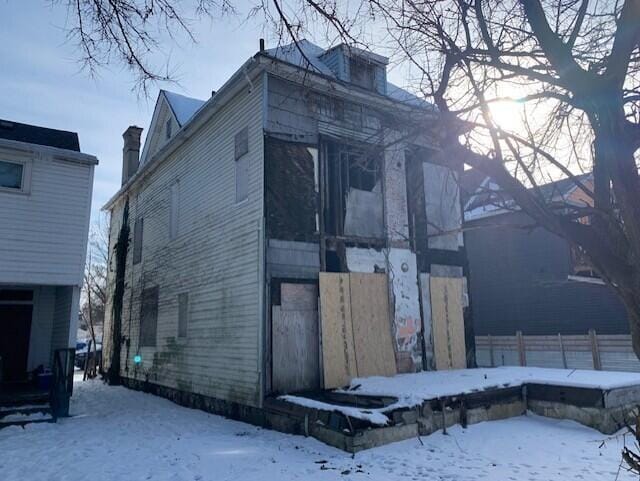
column 232, row 258
column 309, row 118
column 215, row 258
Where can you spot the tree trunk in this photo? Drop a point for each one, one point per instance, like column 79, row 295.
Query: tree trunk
column 121, row 248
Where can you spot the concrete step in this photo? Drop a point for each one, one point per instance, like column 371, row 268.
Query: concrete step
column 25, row 414
column 19, row 419
column 25, row 409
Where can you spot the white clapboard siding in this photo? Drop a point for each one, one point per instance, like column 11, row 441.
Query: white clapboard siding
column 43, row 234
column 215, row 258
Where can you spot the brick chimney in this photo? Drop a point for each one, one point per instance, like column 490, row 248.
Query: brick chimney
column 130, row 152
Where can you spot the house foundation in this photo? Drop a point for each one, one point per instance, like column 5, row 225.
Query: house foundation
column 604, row 410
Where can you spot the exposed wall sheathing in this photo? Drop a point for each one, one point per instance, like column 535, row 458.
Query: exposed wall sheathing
column 395, row 195
column 403, row 276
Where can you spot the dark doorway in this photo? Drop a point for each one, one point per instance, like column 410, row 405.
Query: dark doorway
column 15, row 330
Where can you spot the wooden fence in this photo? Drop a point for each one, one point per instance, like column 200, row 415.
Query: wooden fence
column 588, row 351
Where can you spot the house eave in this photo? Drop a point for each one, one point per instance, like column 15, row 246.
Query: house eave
column 55, row 152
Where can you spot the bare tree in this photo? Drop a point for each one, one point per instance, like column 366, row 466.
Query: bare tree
column 94, row 288
column 130, row 32
column 571, row 66
column 569, row 71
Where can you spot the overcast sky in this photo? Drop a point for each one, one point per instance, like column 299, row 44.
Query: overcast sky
column 41, row 81
column 42, row 84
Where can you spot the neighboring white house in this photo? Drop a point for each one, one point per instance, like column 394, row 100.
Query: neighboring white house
column 293, row 182
column 45, row 201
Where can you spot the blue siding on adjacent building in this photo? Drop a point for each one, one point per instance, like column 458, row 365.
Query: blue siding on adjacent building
column 518, row 282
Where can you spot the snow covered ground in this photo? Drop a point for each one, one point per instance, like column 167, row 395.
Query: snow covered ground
column 413, row 389
column 118, row 434
column 419, row 386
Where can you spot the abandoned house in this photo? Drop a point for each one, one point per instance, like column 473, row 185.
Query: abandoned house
column 45, row 203
column 537, row 284
column 290, row 233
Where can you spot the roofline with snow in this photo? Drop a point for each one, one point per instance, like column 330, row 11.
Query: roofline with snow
column 210, row 107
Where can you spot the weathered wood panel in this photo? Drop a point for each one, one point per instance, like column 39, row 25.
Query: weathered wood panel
column 448, row 322
column 616, row 353
column 338, row 351
column 371, row 325
column 295, row 339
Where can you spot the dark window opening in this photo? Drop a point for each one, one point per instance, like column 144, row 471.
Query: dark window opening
column 416, row 209
column 580, row 264
column 137, row 240
column 334, row 263
column 290, row 207
column 149, row 317
column 353, row 191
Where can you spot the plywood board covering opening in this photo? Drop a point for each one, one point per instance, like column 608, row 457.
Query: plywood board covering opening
column 448, row 323
column 356, row 330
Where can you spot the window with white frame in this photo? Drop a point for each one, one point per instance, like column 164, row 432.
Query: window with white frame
column 13, row 175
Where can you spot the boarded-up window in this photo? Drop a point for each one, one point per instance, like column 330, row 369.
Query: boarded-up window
column 242, row 179
column 138, row 229
column 174, row 201
column 242, row 143
column 362, row 73
column 242, row 164
column 183, row 314
column 149, row 317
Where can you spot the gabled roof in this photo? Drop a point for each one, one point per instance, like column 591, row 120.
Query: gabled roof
column 183, row 107
column 485, row 198
column 33, row 134
column 309, row 55
column 179, row 107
